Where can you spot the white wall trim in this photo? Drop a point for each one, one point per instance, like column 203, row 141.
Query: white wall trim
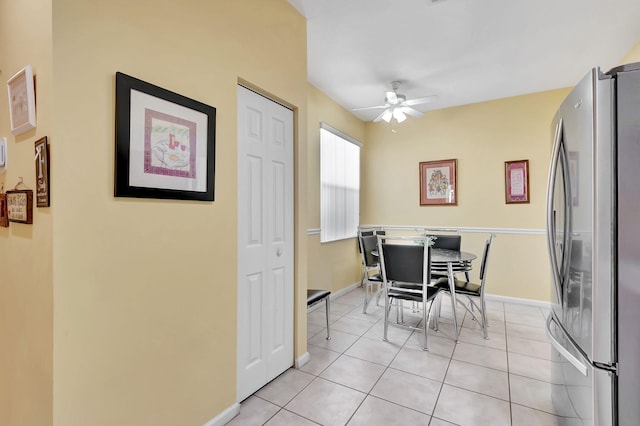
column 224, row 417
column 302, row 360
column 338, row 293
column 519, row 301
column 526, row 231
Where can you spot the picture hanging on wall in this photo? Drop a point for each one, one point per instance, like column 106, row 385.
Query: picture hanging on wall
column 42, row 172
column 438, row 183
column 4, row 216
column 20, row 205
column 165, row 143
column 22, row 101
column 516, row 181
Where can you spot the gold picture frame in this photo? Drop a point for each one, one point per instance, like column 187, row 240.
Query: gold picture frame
column 516, row 181
column 439, row 183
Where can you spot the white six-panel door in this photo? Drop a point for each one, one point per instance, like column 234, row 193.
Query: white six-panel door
column 265, row 241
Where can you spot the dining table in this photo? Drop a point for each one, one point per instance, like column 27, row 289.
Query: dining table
column 448, row 263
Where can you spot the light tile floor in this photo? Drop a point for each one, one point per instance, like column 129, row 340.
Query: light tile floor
column 358, row 379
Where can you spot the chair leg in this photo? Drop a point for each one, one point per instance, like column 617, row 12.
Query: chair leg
column 366, row 296
column 378, row 294
column 485, row 322
column 328, row 308
column 386, row 316
column 436, row 314
column 425, row 324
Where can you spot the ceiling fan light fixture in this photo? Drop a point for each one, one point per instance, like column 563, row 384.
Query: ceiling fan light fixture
column 397, row 105
column 399, row 115
column 387, row 115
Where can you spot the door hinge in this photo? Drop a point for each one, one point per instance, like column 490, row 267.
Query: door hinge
column 613, row 368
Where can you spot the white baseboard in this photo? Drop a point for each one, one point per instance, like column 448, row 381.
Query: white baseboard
column 338, row 293
column 518, row 300
column 302, row 360
column 224, row 417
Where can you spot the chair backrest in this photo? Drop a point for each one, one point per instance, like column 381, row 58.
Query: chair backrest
column 369, row 244
column 363, row 232
column 485, row 259
column 449, row 242
column 402, row 262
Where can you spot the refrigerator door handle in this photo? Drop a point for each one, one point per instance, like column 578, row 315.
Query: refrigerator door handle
column 551, row 238
column 581, row 367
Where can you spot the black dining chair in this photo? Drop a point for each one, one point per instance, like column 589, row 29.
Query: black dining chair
column 406, row 275
column 448, row 242
column 315, row 296
column 473, row 290
column 370, row 267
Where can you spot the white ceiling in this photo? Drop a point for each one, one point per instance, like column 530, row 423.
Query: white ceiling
column 463, row 51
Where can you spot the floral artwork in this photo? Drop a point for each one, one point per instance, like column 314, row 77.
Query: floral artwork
column 169, row 145
column 438, row 183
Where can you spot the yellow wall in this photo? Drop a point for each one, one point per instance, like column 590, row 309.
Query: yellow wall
column 26, row 346
column 633, row 55
column 144, row 326
column 335, row 265
column 481, row 137
column 145, row 290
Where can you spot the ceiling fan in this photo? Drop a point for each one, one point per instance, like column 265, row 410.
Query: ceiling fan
column 397, row 105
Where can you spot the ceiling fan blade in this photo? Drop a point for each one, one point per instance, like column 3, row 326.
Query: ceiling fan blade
column 418, row 101
column 369, row 108
column 411, row 111
column 392, row 97
column 384, row 115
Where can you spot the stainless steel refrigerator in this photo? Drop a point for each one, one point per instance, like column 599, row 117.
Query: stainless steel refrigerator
column 593, row 232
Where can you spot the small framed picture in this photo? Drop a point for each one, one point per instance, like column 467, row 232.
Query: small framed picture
column 22, row 101
column 165, row 143
column 42, row 172
column 438, row 183
column 4, row 216
column 516, row 181
column 20, row 205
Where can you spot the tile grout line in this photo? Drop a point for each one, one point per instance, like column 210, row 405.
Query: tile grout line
column 388, row 367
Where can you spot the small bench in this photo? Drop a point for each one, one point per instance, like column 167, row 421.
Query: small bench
column 315, row 296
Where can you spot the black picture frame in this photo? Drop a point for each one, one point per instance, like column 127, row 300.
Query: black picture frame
column 160, row 139
column 43, row 191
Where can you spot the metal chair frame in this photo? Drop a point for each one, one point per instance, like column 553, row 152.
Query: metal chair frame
column 407, row 280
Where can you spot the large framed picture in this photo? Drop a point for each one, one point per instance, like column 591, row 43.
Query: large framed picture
column 165, row 143
column 438, row 183
column 516, row 181
column 22, row 101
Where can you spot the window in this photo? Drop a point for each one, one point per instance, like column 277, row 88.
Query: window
column 340, row 185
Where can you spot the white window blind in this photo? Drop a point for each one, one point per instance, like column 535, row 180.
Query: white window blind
column 340, row 185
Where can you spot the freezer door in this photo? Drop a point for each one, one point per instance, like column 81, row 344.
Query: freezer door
column 579, row 220
column 580, row 393
column 628, row 336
